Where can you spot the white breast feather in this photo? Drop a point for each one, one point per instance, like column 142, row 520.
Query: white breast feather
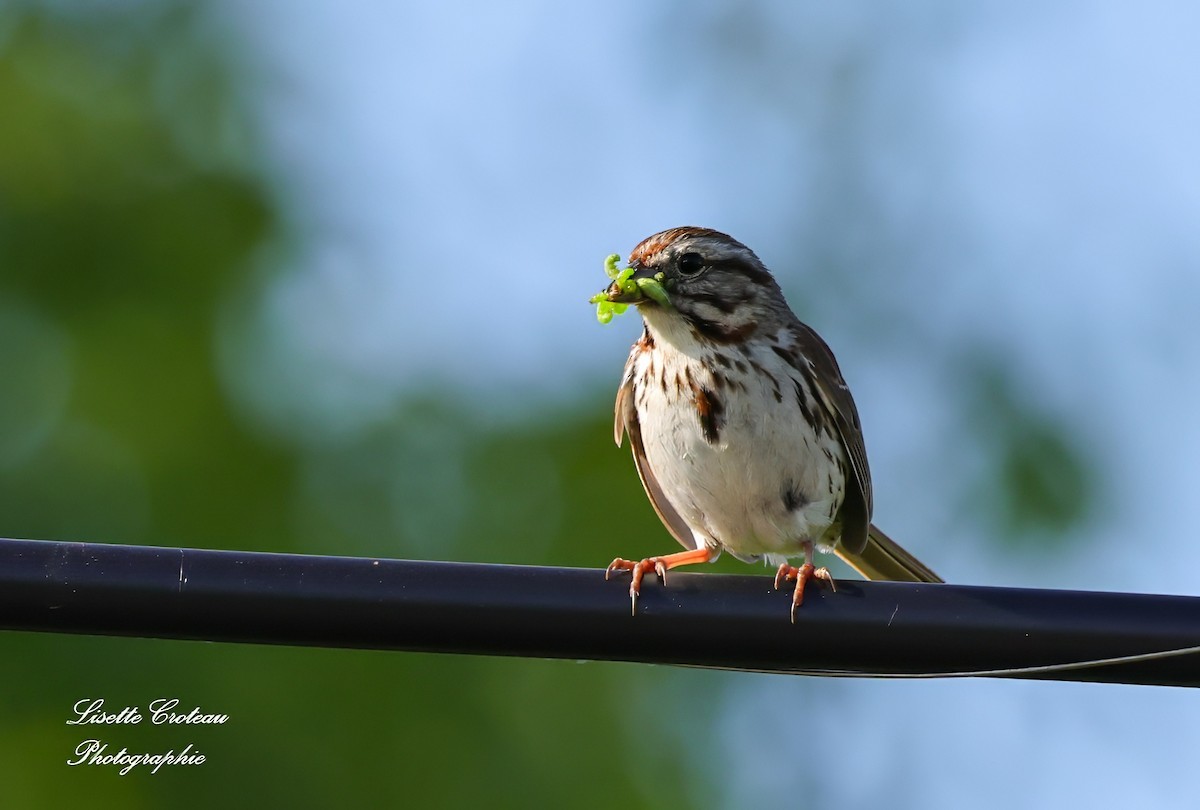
column 731, row 493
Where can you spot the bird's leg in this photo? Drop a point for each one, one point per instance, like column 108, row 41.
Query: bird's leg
column 659, row 565
column 802, row 575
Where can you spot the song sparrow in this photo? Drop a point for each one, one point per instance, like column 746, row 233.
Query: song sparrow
column 743, row 431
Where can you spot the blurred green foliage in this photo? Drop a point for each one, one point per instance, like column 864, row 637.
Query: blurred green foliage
column 117, row 237
column 131, row 209
column 1043, row 484
column 127, row 213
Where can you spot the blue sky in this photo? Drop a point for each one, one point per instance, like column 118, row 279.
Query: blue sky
column 1022, row 177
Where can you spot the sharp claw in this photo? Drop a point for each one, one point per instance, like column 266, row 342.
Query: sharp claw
column 612, row 566
column 635, row 587
column 798, row 594
column 779, row 576
column 653, row 565
column 801, row 575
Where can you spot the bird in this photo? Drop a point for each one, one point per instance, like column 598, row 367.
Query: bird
column 744, row 433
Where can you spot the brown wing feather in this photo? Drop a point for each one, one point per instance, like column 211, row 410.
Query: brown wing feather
column 884, row 558
column 839, row 404
column 626, row 421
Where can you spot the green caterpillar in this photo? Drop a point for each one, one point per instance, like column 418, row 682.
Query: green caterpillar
column 647, row 287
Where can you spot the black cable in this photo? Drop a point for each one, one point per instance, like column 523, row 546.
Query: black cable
column 710, row 620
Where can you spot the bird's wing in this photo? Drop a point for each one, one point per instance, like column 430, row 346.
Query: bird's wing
column 835, row 396
column 626, row 421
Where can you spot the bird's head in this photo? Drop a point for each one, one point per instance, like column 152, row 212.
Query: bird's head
column 714, row 286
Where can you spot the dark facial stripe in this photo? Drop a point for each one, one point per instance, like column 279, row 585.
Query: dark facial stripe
column 715, row 332
column 723, row 305
column 751, row 271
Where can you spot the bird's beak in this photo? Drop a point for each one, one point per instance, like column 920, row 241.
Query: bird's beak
column 634, row 293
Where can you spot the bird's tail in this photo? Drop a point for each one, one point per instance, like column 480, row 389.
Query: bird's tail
column 883, row 558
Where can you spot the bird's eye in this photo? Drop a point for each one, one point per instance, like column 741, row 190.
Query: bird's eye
column 690, row 264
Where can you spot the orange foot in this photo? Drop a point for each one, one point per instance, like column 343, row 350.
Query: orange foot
column 659, row 565
column 801, row 575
